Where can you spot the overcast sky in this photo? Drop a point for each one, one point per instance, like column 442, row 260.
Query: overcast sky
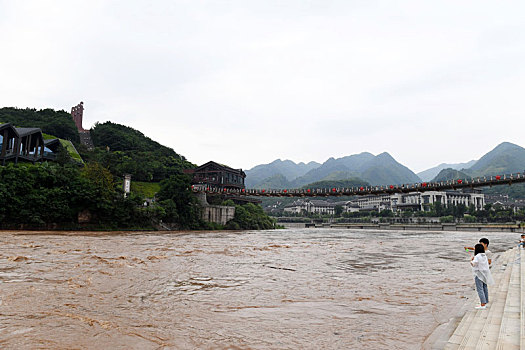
column 246, row 82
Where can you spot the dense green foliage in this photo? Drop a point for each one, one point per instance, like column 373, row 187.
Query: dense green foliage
column 490, row 214
column 36, row 196
column 56, row 123
column 124, row 150
column 249, row 217
column 123, row 138
column 179, row 203
column 51, row 195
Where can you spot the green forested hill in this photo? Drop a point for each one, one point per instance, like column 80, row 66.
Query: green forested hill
column 123, row 138
column 124, row 150
column 56, row 123
column 450, row 174
column 503, row 159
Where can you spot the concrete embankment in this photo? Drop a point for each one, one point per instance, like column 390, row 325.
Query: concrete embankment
column 412, row 227
column 502, row 324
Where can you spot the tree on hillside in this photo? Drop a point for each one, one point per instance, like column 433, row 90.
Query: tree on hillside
column 57, row 123
column 177, row 199
column 249, row 217
column 49, row 193
column 124, row 150
column 101, row 178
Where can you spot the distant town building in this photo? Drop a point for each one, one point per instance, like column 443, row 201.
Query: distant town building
column 505, row 202
column 77, row 112
column 215, row 175
column 310, row 206
column 379, row 202
column 397, row 202
column 421, row 201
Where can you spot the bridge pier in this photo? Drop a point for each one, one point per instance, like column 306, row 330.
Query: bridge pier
column 219, row 214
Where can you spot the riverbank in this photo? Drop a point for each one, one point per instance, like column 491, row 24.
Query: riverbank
column 412, row 227
column 501, row 325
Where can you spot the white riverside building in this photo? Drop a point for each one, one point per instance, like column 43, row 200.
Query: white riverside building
column 396, row 202
column 311, row 206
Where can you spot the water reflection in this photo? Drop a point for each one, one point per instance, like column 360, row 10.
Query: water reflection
column 289, row 289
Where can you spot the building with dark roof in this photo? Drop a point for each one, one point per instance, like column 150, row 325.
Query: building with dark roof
column 215, row 175
column 25, row 144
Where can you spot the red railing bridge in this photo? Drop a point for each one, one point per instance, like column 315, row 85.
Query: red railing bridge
column 496, row 180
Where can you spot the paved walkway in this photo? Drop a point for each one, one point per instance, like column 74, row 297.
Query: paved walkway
column 502, row 325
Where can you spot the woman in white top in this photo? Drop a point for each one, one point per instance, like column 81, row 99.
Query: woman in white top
column 482, row 275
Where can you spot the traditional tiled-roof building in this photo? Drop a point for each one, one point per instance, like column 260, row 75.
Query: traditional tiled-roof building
column 215, row 175
column 25, row 144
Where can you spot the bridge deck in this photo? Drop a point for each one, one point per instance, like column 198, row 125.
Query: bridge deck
column 507, row 179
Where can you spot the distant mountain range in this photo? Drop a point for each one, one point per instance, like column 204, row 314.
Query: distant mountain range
column 286, row 170
column 382, row 169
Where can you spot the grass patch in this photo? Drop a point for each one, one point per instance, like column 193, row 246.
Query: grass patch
column 71, row 150
column 146, row 189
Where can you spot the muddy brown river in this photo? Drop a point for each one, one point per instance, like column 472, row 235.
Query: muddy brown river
column 283, row 289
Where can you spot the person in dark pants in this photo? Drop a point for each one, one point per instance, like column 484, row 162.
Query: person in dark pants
column 482, row 275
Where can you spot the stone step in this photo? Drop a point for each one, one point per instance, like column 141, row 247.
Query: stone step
column 509, row 335
column 477, row 323
column 85, row 139
column 499, row 268
column 490, row 331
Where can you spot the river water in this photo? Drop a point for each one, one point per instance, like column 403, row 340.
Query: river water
column 283, row 289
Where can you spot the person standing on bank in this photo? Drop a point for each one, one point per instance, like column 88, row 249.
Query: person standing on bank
column 488, row 253
column 482, row 275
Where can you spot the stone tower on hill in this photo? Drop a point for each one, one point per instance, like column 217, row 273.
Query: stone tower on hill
column 77, row 112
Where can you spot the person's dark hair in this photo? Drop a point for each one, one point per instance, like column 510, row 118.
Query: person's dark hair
column 479, row 248
column 484, row 240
